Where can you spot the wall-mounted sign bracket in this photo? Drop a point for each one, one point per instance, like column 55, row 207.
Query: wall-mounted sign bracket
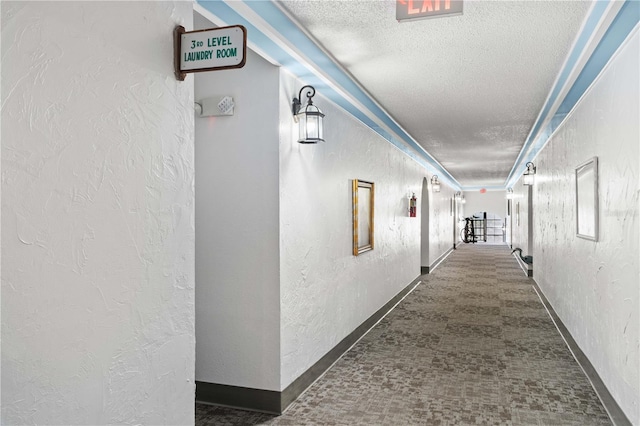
column 208, row 50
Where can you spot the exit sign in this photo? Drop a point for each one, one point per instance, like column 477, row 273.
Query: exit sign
column 409, row 10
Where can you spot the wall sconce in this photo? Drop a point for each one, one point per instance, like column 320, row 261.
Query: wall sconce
column 510, row 194
column 435, row 183
column 527, row 176
column 459, row 197
column 309, row 117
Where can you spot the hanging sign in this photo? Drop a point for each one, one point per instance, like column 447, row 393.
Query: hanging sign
column 209, row 50
column 409, row 10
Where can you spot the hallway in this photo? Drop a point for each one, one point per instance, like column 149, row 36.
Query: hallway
column 176, row 230
column 472, row 344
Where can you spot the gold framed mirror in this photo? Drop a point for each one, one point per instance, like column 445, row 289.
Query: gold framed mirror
column 363, row 213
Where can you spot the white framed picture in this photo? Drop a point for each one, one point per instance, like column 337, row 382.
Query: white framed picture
column 587, row 200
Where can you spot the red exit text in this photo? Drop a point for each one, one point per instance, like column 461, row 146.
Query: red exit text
column 427, row 5
column 416, row 9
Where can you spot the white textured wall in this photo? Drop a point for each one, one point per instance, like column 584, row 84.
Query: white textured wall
column 491, row 202
column 521, row 232
column 237, row 266
column 441, row 223
column 594, row 286
column 436, row 222
column 97, row 215
column 326, row 292
column 425, row 202
column 460, row 214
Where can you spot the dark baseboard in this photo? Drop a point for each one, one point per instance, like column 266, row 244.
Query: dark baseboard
column 613, row 409
column 439, row 260
column 526, row 268
column 424, row 270
column 238, row 397
column 276, row 402
column 295, row 389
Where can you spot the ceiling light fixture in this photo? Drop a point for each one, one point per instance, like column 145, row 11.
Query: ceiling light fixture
column 309, row 118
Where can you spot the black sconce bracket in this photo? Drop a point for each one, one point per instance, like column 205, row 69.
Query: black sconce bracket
column 297, row 102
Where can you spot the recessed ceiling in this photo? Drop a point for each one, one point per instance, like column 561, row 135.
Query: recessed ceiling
column 467, row 88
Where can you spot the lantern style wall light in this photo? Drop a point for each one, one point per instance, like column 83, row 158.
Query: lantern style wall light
column 309, row 117
column 510, row 194
column 459, row 197
column 527, row 176
column 435, row 183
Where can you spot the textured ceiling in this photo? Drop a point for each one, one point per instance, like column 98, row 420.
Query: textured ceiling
column 467, row 88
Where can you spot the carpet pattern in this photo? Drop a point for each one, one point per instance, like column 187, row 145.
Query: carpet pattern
column 472, row 344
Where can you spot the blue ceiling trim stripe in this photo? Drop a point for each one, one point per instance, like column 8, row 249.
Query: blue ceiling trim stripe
column 277, row 19
column 268, row 11
column 626, row 20
column 617, row 33
column 231, row 17
column 590, row 25
column 622, row 25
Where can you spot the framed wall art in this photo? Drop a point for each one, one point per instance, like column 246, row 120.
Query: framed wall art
column 587, row 200
column 363, row 214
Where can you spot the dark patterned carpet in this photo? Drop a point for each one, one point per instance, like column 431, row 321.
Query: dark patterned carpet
column 472, row 344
